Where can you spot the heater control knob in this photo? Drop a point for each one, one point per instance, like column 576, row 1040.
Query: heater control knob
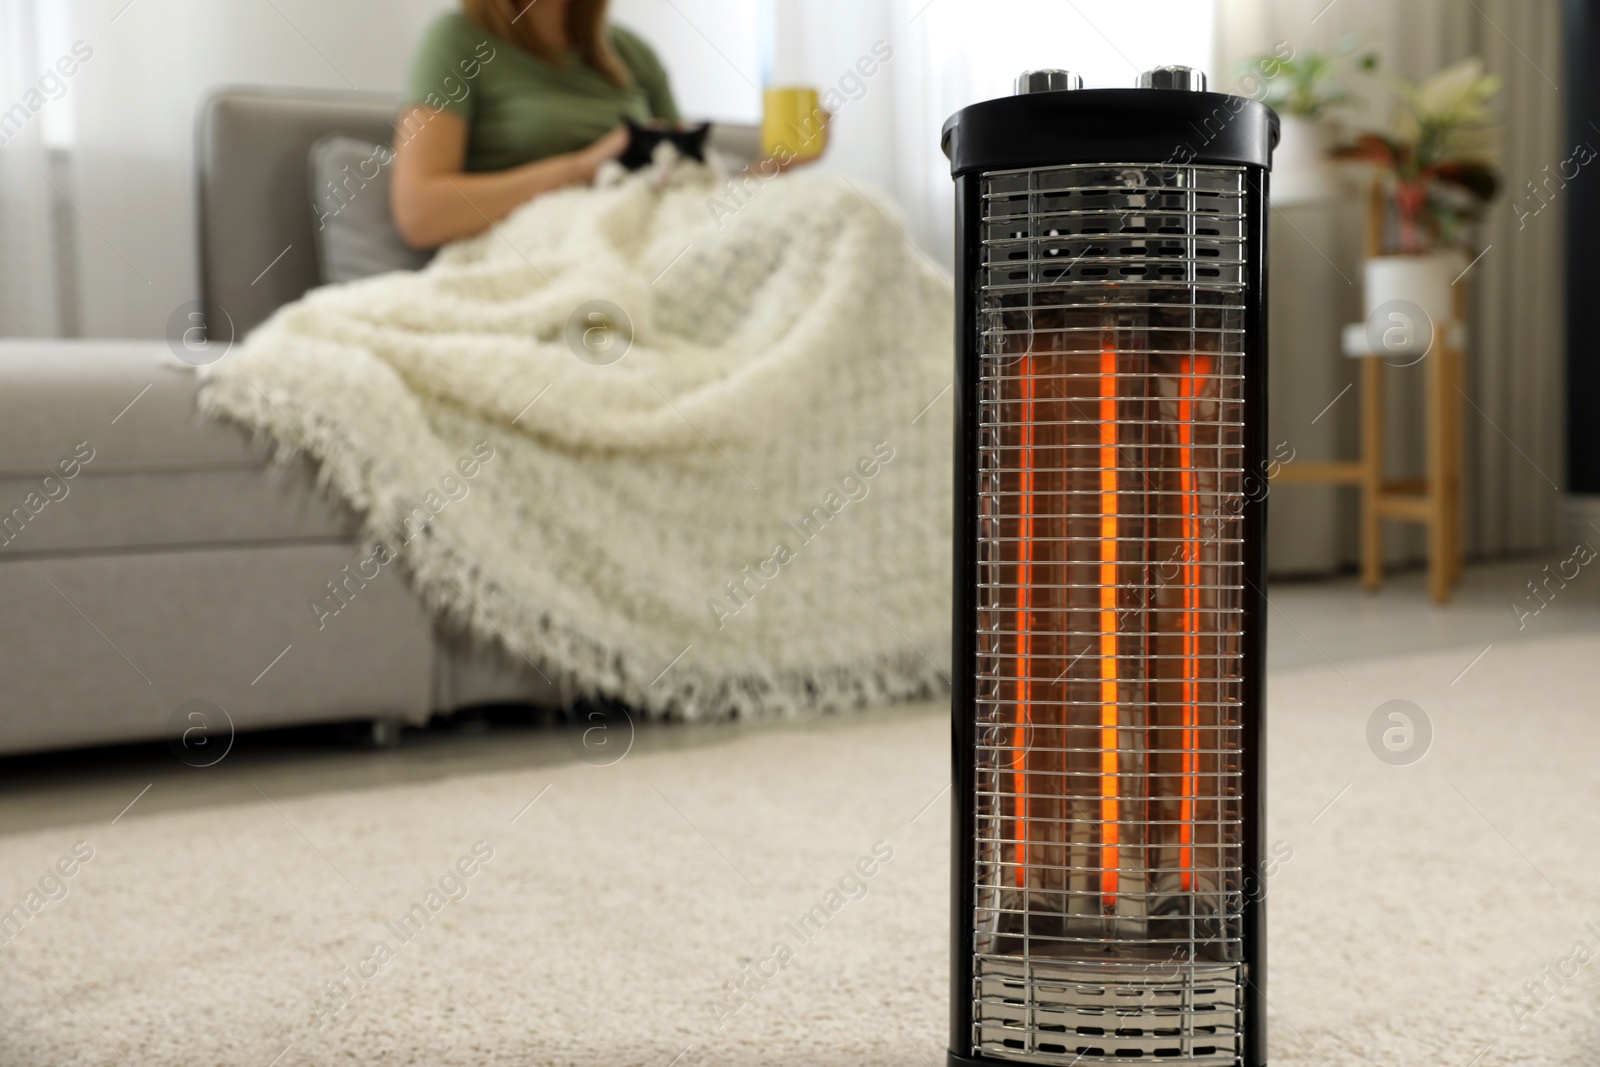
column 1047, row 81
column 1186, row 79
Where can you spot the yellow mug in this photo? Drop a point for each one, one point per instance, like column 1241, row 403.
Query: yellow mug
column 793, row 123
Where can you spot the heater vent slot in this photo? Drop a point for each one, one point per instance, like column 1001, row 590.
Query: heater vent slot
column 1108, row 809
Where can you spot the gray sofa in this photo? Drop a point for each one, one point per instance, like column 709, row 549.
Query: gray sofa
column 149, row 557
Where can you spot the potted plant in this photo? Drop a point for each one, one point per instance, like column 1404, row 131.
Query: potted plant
column 1436, row 162
column 1306, row 90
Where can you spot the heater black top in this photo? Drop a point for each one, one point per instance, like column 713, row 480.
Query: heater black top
column 1175, row 126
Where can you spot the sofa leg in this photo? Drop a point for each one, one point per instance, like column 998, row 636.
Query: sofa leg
column 383, row 733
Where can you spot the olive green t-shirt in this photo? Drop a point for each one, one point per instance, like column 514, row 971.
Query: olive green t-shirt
column 519, row 108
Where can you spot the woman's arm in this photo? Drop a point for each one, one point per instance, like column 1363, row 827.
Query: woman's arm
column 433, row 199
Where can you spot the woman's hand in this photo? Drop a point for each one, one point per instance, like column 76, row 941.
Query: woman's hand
column 590, row 160
column 434, row 200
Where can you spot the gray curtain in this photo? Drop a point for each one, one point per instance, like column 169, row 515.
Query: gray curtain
column 1513, row 414
column 1516, row 371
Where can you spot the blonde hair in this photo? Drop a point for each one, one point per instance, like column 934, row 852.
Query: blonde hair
column 586, row 25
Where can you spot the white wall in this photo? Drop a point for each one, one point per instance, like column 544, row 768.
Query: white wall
column 710, row 48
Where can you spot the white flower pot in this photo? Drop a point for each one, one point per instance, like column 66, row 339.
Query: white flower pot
column 1301, row 170
column 1409, row 305
column 1423, row 280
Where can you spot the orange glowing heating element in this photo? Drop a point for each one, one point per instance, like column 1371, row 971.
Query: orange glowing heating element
column 1024, row 622
column 1188, row 388
column 1109, row 829
column 1035, row 648
column 1109, row 700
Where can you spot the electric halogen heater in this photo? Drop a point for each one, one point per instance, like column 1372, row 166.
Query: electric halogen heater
column 1109, row 574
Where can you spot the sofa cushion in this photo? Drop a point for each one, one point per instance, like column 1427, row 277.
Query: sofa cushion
column 102, row 449
column 356, row 235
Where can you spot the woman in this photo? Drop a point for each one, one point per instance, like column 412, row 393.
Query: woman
column 511, row 99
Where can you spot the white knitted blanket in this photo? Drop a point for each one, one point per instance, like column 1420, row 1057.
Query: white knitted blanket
column 746, row 514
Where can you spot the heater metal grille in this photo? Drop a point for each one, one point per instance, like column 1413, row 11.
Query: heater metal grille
column 1108, row 880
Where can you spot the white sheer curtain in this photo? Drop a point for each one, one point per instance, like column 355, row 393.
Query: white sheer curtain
column 29, row 302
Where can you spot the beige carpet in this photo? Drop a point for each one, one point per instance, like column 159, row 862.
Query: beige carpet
column 613, row 911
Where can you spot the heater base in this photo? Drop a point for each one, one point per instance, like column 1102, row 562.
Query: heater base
column 954, row 1060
